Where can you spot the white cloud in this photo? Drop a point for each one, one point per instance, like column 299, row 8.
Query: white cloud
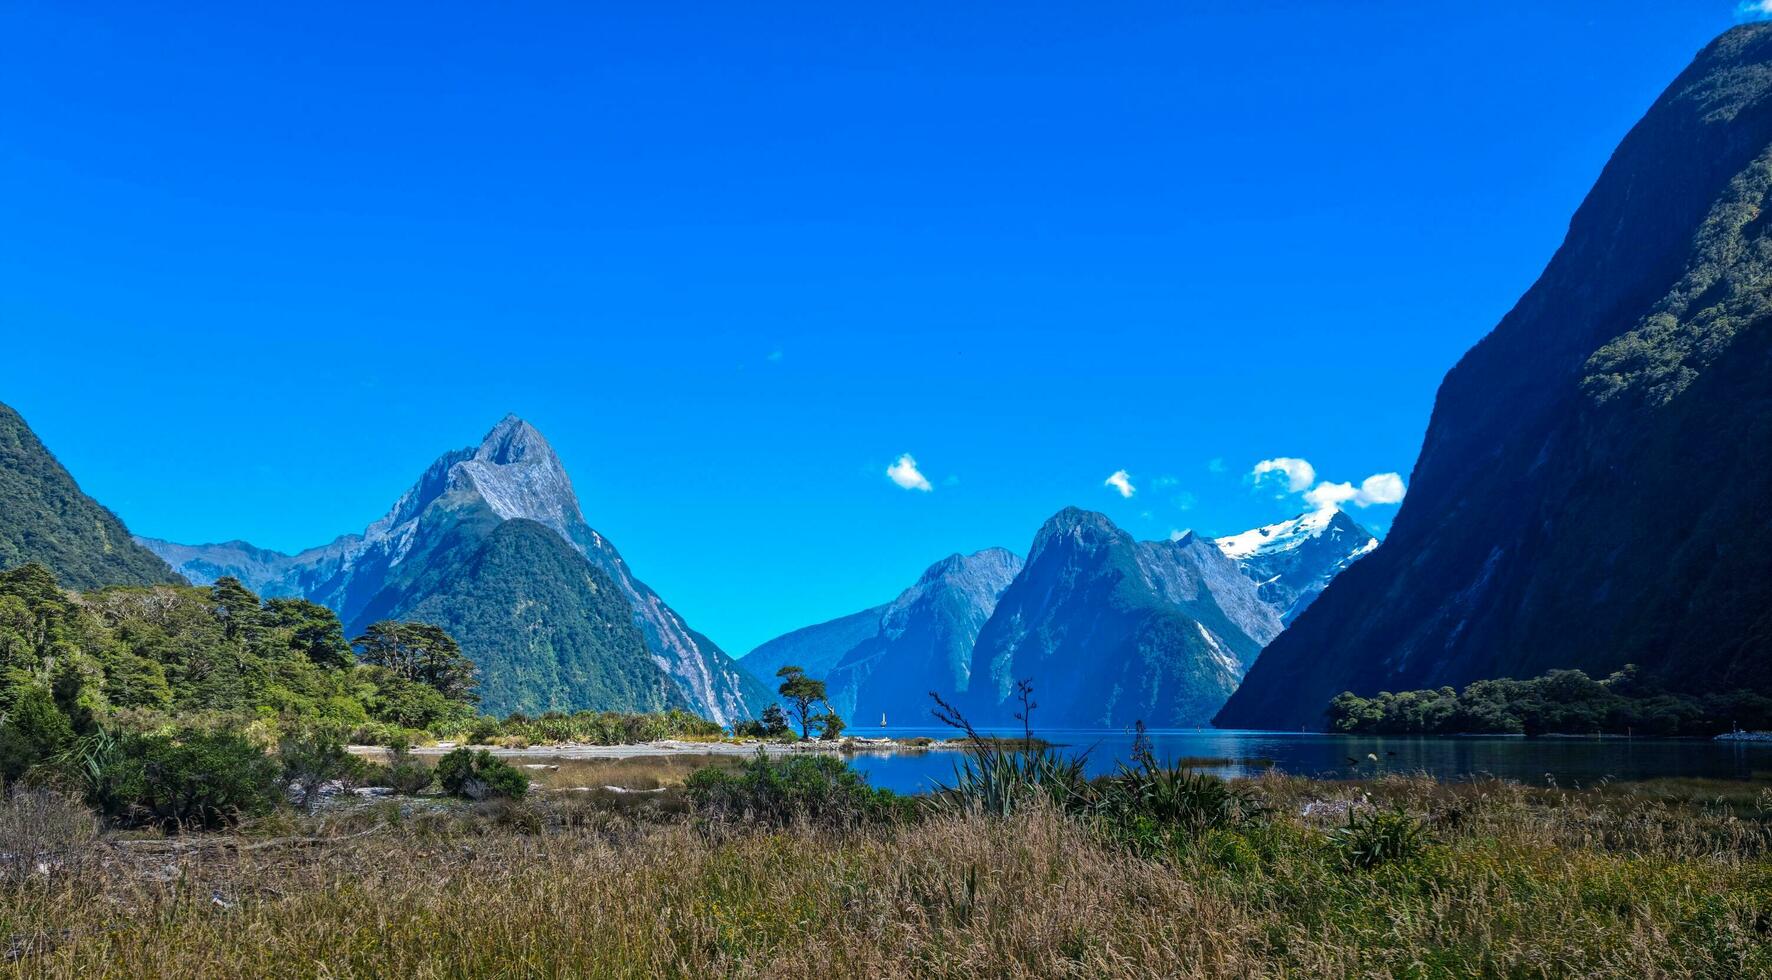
column 1215, row 465
column 1121, row 481
column 905, row 474
column 1299, row 473
column 1170, row 481
column 1183, row 501
column 1752, row 10
column 1385, row 488
column 1177, row 534
column 1379, row 488
column 1328, row 495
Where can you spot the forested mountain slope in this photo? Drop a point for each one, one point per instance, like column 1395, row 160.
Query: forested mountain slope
column 45, row 518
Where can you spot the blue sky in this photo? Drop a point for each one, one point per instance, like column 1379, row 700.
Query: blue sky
column 259, row 268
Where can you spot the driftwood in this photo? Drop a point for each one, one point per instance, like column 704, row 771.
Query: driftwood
column 181, row 844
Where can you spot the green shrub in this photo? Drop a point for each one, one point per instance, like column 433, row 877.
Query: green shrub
column 830, row 726
column 998, row 776
column 312, row 760
column 1153, row 807
column 410, row 778
column 1376, row 837
column 996, row 781
column 480, row 775
column 482, row 730
column 34, row 732
column 818, row 789
column 403, row 774
column 192, row 779
column 383, row 733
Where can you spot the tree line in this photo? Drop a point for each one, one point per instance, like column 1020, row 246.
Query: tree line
column 1561, row 702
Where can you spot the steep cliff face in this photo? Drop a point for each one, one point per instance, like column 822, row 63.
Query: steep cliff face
column 923, row 641
column 815, row 649
column 414, row 559
column 1114, row 630
column 1591, row 491
column 46, row 519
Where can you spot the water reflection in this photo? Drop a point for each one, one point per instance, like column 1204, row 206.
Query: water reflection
column 1570, row 762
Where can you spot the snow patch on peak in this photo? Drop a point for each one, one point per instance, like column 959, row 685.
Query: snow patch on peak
column 1292, row 561
column 1285, row 536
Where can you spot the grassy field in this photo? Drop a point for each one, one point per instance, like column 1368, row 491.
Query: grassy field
column 1671, row 879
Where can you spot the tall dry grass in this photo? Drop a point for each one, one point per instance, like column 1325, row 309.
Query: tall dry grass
column 1516, row 883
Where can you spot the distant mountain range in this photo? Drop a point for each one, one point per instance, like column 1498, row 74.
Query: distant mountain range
column 555, row 620
column 1592, row 490
column 1111, row 629
column 491, row 544
column 45, row 518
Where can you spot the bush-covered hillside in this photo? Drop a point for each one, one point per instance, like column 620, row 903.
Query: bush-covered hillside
column 48, row 520
column 164, row 654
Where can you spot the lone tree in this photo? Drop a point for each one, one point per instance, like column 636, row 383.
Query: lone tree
column 419, row 652
column 802, row 693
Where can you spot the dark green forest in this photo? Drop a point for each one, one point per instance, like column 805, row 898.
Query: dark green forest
column 1561, row 702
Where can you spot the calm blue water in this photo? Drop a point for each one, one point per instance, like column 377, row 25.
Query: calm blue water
column 1570, row 762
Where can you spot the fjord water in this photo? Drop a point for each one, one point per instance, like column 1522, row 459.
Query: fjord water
column 1564, row 762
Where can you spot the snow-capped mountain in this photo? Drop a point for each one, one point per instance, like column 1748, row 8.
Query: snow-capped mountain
column 411, row 554
column 1292, row 562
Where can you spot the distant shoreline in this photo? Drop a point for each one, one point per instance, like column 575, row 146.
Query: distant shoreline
column 680, row 747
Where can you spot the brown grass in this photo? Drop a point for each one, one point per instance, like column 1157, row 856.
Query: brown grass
column 1518, row 883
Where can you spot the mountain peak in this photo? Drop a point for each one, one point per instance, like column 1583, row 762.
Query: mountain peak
column 1083, row 528
column 1285, row 535
column 1292, row 561
column 957, row 563
column 511, row 441
column 518, row 474
column 1075, row 519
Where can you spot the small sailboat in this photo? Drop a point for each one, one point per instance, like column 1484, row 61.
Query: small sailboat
column 882, row 719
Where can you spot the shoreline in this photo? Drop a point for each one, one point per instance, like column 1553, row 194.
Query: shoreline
column 668, row 748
